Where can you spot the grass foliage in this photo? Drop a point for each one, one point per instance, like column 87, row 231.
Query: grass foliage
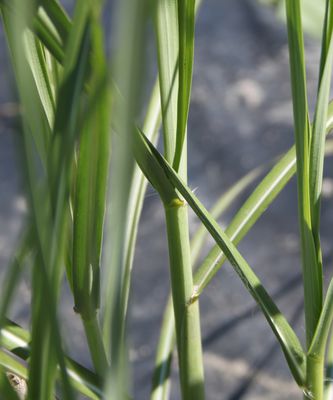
column 86, row 161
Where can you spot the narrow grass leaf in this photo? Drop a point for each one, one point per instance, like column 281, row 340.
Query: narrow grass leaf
column 36, row 60
column 186, row 23
column 220, row 206
column 288, row 340
column 312, row 270
column 245, row 218
column 325, row 39
column 17, row 340
column 319, row 341
column 317, row 147
column 167, row 38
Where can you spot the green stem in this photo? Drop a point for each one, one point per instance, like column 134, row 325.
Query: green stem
column 96, row 346
column 315, row 377
column 186, row 315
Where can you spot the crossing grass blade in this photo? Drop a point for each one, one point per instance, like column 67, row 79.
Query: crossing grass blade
column 287, row 338
column 36, row 59
column 17, row 341
column 319, row 341
column 246, row 217
column 219, row 208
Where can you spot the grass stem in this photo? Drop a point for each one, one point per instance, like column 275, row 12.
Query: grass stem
column 186, row 315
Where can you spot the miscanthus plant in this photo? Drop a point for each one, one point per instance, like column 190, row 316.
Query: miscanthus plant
column 85, row 150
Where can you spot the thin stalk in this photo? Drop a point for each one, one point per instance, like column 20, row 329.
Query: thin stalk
column 96, row 346
column 315, row 377
column 186, row 314
column 312, row 269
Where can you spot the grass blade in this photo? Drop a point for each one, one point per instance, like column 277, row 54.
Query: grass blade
column 167, row 37
column 288, row 340
column 186, row 23
column 221, row 205
column 312, row 270
column 16, row 340
column 317, row 147
column 89, row 202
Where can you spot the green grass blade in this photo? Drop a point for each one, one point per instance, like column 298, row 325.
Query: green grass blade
column 246, row 217
column 221, row 205
column 58, row 17
column 17, row 340
column 317, row 147
column 89, row 208
column 318, row 344
column 312, row 271
column 89, row 204
column 325, row 40
column 288, row 340
column 36, row 60
column 167, row 37
column 41, row 374
column 186, row 23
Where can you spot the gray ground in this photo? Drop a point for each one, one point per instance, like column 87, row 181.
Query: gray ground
column 240, row 117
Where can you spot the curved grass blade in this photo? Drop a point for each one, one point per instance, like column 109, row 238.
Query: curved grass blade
column 221, row 205
column 287, row 338
column 37, row 63
column 318, row 344
column 16, row 340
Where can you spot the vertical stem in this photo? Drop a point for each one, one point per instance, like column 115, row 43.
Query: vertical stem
column 96, row 346
column 186, row 315
column 315, row 377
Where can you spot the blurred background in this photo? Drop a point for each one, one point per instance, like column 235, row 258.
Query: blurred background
column 240, row 118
